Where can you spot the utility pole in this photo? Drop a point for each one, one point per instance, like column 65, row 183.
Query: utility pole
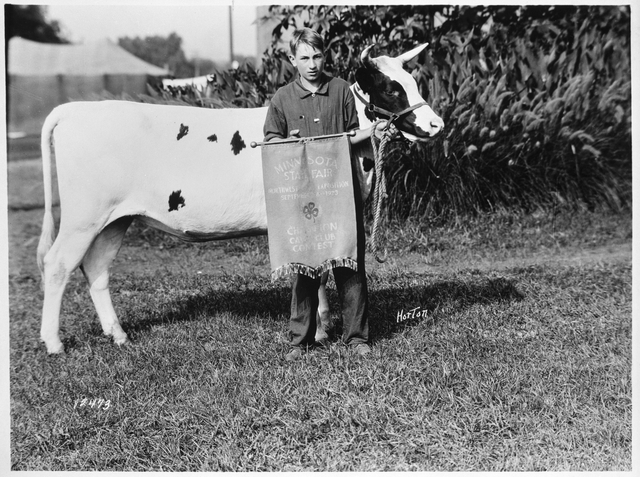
column 231, row 34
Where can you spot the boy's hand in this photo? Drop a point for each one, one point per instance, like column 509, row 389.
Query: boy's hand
column 379, row 129
column 294, row 133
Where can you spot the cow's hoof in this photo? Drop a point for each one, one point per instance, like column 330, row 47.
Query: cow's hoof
column 118, row 335
column 55, row 347
column 121, row 340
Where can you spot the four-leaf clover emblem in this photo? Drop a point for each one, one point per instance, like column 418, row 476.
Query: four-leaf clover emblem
column 310, row 211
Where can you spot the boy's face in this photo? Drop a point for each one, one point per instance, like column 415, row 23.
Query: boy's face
column 310, row 63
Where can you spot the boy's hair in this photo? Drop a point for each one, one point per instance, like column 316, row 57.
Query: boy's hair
column 308, row 36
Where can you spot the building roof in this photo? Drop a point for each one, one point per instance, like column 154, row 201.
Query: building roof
column 30, row 58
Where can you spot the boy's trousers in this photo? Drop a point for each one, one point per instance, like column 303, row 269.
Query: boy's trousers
column 352, row 291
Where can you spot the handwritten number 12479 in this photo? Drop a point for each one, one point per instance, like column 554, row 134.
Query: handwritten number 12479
column 93, row 403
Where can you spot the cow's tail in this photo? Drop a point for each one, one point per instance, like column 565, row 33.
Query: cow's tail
column 48, row 233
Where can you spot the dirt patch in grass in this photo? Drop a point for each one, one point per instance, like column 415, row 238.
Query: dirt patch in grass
column 568, row 256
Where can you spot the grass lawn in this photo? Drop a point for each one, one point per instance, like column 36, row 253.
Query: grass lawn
column 514, row 354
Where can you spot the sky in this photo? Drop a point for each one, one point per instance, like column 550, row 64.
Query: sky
column 203, row 26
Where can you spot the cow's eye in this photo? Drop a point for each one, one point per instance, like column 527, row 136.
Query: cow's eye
column 393, row 92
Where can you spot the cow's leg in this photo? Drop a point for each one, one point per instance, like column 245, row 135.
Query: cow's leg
column 95, row 267
column 61, row 260
column 322, row 320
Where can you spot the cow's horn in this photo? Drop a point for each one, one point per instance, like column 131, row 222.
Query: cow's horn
column 365, row 58
column 411, row 54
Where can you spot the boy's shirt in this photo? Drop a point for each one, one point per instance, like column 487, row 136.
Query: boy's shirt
column 330, row 110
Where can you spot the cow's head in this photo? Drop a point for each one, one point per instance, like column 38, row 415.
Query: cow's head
column 390, row 88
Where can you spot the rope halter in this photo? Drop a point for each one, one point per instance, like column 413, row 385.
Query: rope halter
column 380, row 189
column 392, row 117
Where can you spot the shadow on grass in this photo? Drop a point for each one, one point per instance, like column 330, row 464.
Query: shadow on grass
column 394, row 309
column 264, row 305
column 391, row 308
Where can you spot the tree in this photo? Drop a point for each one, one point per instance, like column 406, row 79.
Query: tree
column 30, row 22
column 160, row 51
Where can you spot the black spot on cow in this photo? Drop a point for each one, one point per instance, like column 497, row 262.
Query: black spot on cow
column 184, row 130
column 213, row 138
column 367, row 164
column 237, row 144
column 176, row 200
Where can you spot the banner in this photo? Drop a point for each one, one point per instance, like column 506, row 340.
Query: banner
column 311, row 213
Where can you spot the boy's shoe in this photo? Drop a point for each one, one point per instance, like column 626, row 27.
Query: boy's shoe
column 362, row 349
column 324, row 343
column 321, row 335
column 294, row 354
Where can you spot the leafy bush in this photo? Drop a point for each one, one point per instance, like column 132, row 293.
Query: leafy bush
column 541, row 119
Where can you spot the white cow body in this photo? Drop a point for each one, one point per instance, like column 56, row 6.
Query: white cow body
column 136, row 168
column 185, row 170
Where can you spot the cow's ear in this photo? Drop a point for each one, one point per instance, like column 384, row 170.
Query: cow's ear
column 364, row 77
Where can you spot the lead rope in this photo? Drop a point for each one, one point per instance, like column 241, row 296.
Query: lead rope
column 380, row 192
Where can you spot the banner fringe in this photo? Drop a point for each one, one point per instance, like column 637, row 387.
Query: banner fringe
column 291, row 268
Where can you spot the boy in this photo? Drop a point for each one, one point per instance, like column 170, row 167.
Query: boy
column 316, row 104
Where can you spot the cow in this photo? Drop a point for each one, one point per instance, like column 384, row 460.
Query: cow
column 187, row 171
column 199, row 82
